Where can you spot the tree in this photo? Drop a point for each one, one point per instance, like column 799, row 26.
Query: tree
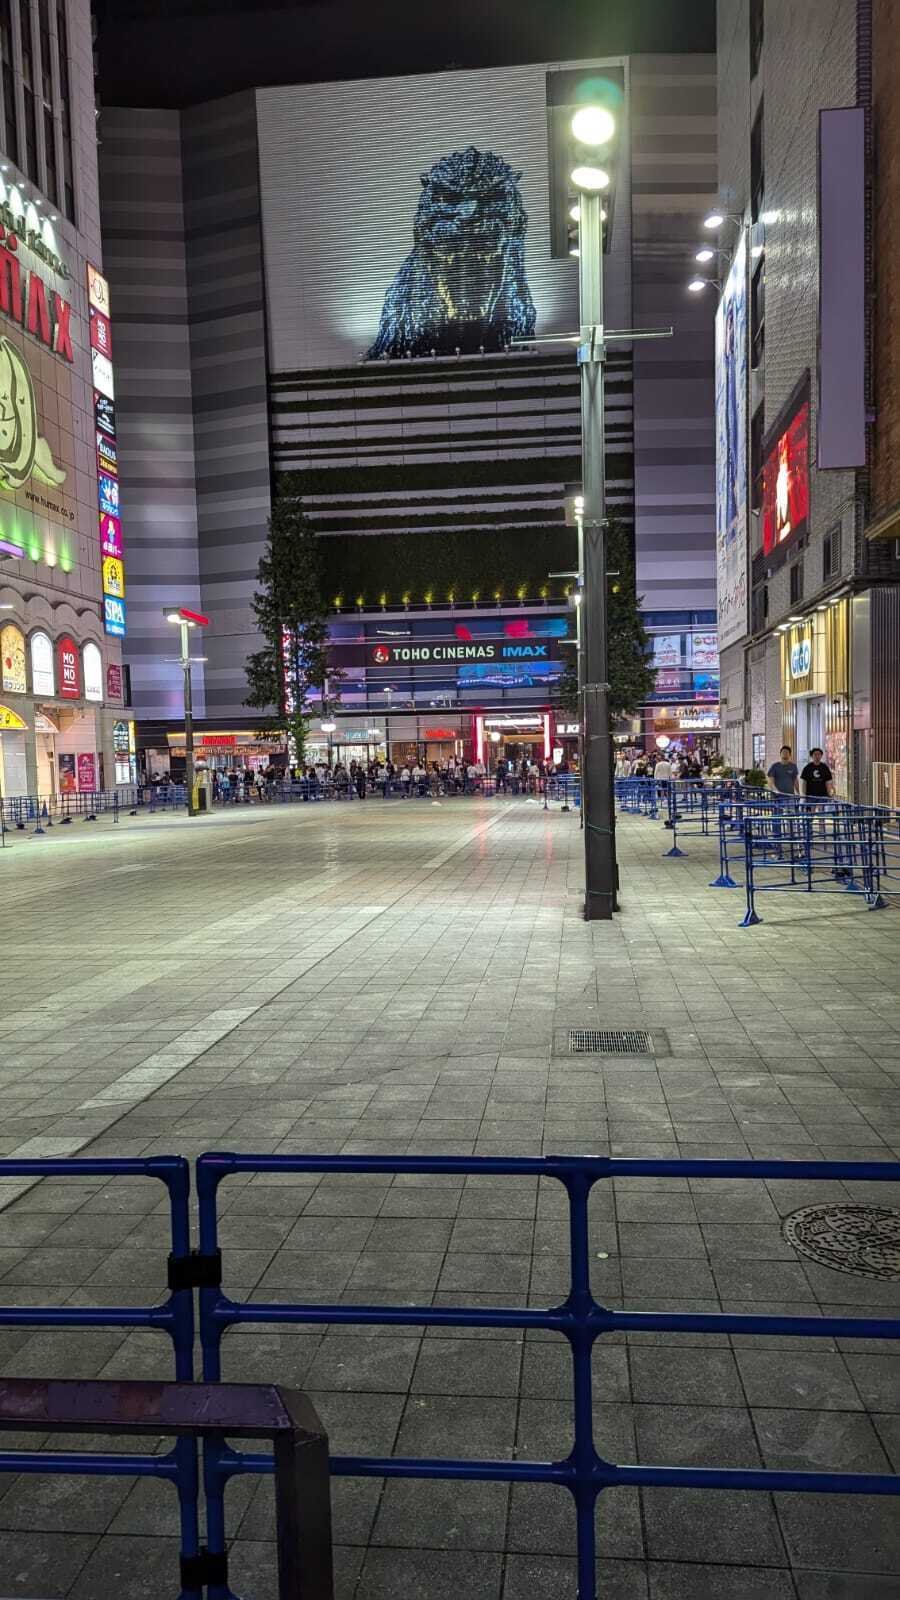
column 292, row 618
column 631, row 674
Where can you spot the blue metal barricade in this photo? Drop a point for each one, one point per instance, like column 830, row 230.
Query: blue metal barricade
column 580, row 1319
column 174, row 1317
column 810, row 848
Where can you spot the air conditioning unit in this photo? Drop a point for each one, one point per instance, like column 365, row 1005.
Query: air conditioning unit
column 886, row 784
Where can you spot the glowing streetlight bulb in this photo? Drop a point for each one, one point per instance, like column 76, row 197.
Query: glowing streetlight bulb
column 593, row 179
column 575, row 213
column 593, row 125
column 714, row 219
column 697, row 285
column 705, row 254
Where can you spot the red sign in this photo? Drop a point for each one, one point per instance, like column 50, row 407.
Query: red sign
column 110, row 536
column 101, row 333
column 68, row 671
column 193, row 616
column 785, row 482
column 27, row 299
column 114, row 683
column 381, row 655
column 216, row 741
column 87, row 773
column 441, row 733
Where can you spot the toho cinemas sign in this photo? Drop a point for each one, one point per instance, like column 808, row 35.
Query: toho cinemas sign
column 26, row 299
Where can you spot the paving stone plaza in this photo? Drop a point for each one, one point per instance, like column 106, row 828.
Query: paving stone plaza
column 397, row 978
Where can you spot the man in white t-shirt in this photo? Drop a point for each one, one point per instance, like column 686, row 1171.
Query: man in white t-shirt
column 662, row 770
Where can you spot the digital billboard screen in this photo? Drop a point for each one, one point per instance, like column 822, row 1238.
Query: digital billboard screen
column 785, row 481
column 731, row 452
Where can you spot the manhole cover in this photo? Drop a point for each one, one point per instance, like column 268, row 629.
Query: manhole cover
column 609, row 1041
column 864, row 1240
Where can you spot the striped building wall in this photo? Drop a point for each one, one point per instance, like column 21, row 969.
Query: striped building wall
column 180, row 200
column 673, row 183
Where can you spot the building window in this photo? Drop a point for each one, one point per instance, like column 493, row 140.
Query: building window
column 831, row 554
column 759, row 752
column 796, row 582
column 757, row 167
column 757, row 33
column 758, row 314
column 62, row 34
column 31, row 160
column 92, row 666
column 51, row 187
column 757, row 425
column 759, row 607
column 10, row 127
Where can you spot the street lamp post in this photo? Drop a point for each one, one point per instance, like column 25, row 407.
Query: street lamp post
column 187, row 620
column 601, row 871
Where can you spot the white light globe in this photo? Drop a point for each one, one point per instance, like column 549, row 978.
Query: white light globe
column 574, row 211
column 593, row 125
column 714, row 219
column 697, row 285
column 593, row 179
column 704, row 255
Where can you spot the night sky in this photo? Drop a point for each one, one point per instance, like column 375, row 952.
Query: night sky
column 175, row 52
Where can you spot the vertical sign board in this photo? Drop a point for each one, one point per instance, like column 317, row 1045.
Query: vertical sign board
column 841, row 431
column 107, row 455
column 731, row 452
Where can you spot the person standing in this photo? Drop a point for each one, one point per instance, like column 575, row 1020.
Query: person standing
column 782, row 776
column 816, row 780
column 662, row 769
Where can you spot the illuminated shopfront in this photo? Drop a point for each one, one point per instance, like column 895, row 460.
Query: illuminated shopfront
column 815, row 676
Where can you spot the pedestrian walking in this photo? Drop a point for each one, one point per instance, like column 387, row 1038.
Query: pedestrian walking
column 783, row 777
column 816, row 779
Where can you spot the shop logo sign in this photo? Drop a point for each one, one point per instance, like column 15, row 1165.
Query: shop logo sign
column 801, row 658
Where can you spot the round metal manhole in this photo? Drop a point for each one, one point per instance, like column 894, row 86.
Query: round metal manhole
column 864, row 1240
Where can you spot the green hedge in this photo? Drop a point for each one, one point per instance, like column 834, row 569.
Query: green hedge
column 462, row 561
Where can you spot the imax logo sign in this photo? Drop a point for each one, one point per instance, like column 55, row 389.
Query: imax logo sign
column 801, row 659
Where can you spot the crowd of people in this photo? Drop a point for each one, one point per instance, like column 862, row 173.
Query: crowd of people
column 662, row 764
column 454, row 775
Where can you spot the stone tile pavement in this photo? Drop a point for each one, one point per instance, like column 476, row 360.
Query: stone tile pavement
column 398, row 978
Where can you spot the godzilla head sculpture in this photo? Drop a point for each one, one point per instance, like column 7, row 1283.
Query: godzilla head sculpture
column 463, row 285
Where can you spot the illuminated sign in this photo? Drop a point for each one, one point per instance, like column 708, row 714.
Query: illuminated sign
column 23, row 451
column 87, row 772
column 108, row 494
column 114, row 616
column 514, row 722
column 101, row 333
column 43, row 680
column 103, row 374
column 801, row 658
column 113, row 577
column 107, row 455
column 105, row 414
column 110, row 536
column 382, row 655
column 12, row 659
column 114, row 683
column 98, row 290
column 120, row 739
column 68, row 668
column 25, row 298
column 92, row 665
column 785, row 481
column 10, row 721
column 705, row 650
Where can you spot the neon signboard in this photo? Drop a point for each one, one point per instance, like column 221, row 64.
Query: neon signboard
column 785, row 481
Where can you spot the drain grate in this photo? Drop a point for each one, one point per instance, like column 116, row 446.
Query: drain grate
column 609, row 1041
column 863, row 1240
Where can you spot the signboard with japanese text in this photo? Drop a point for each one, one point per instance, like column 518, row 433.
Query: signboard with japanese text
column 113, row 577
column 68, row 670
column 87, row 772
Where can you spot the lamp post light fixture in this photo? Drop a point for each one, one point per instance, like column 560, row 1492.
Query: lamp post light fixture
column 697, row 285
column 184, row 619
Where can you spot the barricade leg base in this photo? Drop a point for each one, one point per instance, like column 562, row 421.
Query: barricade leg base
column 876, row 902
column 674, row 851
column 749, row 919
column 723, row 881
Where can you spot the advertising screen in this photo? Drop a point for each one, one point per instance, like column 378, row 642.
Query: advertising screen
column 785, row 481
column 731, row 452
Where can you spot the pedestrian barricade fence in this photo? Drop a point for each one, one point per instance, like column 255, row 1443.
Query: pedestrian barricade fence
column 585, row 1471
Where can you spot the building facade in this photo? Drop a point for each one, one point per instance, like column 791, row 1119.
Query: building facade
column 64, row 724
column 272, row 318
column 807, row 422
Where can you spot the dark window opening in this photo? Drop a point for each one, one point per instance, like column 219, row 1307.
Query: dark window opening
column 31, row 161
column 757, row 168
column 758, row 313
column 831, row 554
column 62, row 34
column 10, row 128
column 796, row 582
column 757, row 33
column 756, row 458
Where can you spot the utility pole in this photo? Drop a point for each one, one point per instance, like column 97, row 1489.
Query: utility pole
column 186, row 620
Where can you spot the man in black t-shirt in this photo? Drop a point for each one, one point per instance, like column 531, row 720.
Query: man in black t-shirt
column 816, row 782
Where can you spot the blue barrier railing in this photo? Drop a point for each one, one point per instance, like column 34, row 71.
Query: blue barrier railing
column 580, row 1319
column 174, row 1317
